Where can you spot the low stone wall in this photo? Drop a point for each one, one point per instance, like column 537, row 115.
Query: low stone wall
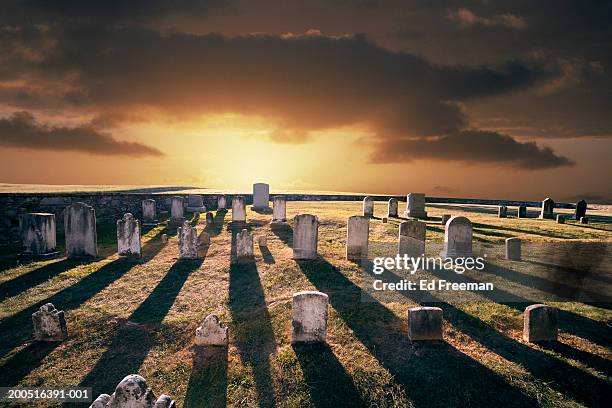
column 111, row 206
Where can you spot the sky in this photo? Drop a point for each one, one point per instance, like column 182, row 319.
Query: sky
column 491, row 99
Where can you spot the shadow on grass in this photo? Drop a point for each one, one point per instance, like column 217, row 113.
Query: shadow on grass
column 440, row 376
column 266, row 254
column 135, row 337
column 208, row 380
column 329, row 385
column 24, row 361
column 284, row 232
column 34, row 277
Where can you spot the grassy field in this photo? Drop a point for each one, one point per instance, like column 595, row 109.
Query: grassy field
column 140, row 317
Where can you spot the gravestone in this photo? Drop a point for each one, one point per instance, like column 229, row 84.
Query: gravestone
column 80, row 231
column 384, row 220
column 195, row 203
column 221, row 204
column 211, row 332
column 188, row 241
column 149, row 212
column 581, row 208
column 560, row 219
column 238, row 212
column 513, row 249
column 279, row 209
column 49, row 324
column 210, row 218
column 101, row 402
column 128, row 236
column 392, row 208
column 177, row 211
column 457, row 238
column 261, row 196
column 548, row 207
column 368, row 207
column 357, row 233
column 244, row 246
column 309, row 317
column 37, row 232
column 540, row 323
column 424, row 323
column 502, row 211
column 411, row 239
column 445, row 217
column 133, row 392
column 521, row 212
column 164, row 238
column 262, row 241
column 415, row 205
column 305, row 236
column 584, row 220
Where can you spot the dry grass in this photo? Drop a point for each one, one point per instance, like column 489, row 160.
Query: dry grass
column 126, row 317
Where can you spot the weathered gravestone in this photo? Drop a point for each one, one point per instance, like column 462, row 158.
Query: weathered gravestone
column 195, row 203
column 128, row 236
column 133, row 392
column 513, row 249
column 38, row 236
column 261, row 196
column 238, row 212
column 309, row 317
column 521, row 211
column 457, row 238
column 368, row 207
column 392, row 208
column 221, row 204
column 540, row 323
column 244, row 246
column 305, row 236
column 560, row 219
column 177, row 211
column 188, row 241
column 211, row 332
column 502, row 211
column 262, row 241
column 411, row 239
column 49, row 324
column 548, row 207
column 415, row 205
column 424, row 323
column 279, row 209
column 149, row 212
column 357, row 233
column 80, row 231
column 581, row 208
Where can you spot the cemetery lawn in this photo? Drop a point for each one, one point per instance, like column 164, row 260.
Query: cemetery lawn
column 127, row 316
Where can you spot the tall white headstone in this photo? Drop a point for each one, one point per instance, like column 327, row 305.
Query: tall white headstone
column 188, row 241
column 238, row 210
column 392, row 208
column 279, row 212
column 357, row 233
column 261, row 196
column 457, row 238
column 305, row 236
column 80, row 231
column 221, row 203
column 177, row 210
column 149, row 212
column 128, row 236
column 37, row 232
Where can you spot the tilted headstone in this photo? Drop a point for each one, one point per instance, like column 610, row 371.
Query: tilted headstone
column 560, row 219
column 521, row 211
column 309, row 317
column 584, row 220
column 177, row 211
column 149, row 212
column 133, row 392
column 188, row 241
column 357, row 234
column 424, row 323
column 540, row 323
column 411, row 239
column 457, row 238
column 513, row 249
column 195, row 203
column 502, row 211
column 305, row 236
column 37, row 232
column 445, row 218
column 128, row 236
column 261, row 196
column 238, row 210
column 392, row 208
column 210, row 218
column 80, row 231
column 548, row 207
column 221, row 204
column 581, row 208
column 415, row 205
column 244, row 245
column 368, row 207
column 211, row 332
column 49, row 324
column 279, row 209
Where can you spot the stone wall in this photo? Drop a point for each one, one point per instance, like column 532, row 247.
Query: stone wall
column 111, row 206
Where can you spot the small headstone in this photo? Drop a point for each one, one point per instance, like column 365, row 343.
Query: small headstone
column 211, row 332
column 164, row 238
column 279, row 209
column 133, row 392
column 357, row 233
column 305, row 236
column 177, row 211
column 548, row 207
column 49, row 324
column 424, row 323
column 411, row 239
column 502, row 211
column 445, row 217
column 261, row 196
column 149, row 212
column 204, row 238
column 128, row 236
column 195, row 203
column 188, row 241
column 560, row 219
column 210, row 218
column 309, row 317
column 513, row 249
column 80, row 231
column 244, row 245
column 262, row 241
column 584, row 220
column 238, row 211
column 457, row 238
column 521, row 212
column 415, row 205
column 221, row 204
column 368, row 207
column 385, row 220
column 37, row 232
column 392, row 208
column 540, row 323
column 581, row 208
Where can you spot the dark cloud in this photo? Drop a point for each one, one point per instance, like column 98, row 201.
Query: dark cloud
column 21, row 130
column 467, row 18
column 471, row 146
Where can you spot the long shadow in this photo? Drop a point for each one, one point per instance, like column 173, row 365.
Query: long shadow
column 34, row 277
column 24, row 361
column 266, row 254
column 558, row 374
column 522, row 231
column 329, row 385
column 284, row 232
column 208, row 380
column 601, row 364
column 16, row 329
column 568, row 270
column 254, row 336
column 217, row 226
column 135, row 337
column 441, row 376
